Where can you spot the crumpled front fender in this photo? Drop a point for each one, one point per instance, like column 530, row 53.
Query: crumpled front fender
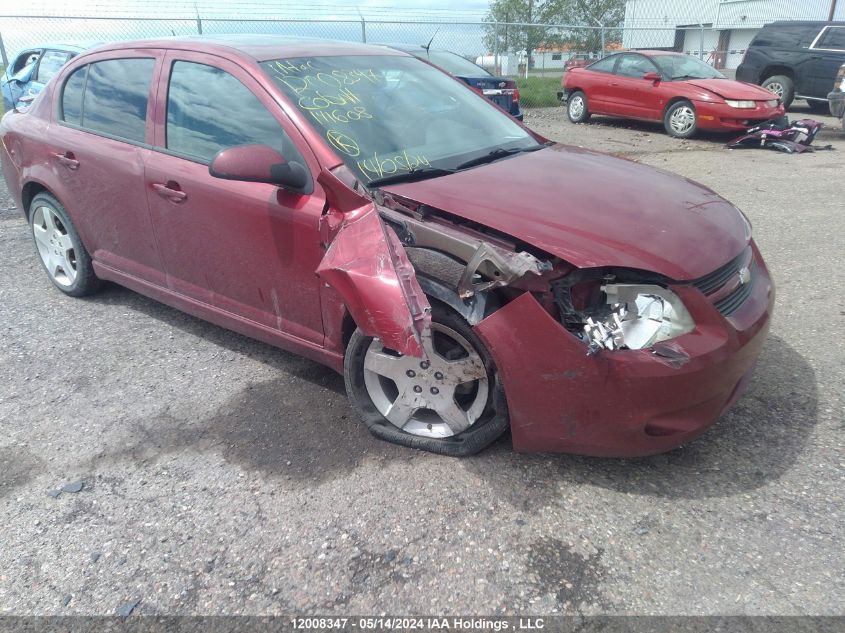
column 367, row 265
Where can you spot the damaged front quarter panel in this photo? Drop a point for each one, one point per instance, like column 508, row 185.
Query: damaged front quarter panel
column 367, row 265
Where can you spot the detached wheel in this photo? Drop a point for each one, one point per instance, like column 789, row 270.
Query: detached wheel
column 679, row 119
column 59, row 247
column 782, row 86
column 450, row 403
column 576, row 107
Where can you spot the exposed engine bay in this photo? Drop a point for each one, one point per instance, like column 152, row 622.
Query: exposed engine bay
column 463, row 264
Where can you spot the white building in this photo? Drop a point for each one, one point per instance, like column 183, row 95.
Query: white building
column 717, row 30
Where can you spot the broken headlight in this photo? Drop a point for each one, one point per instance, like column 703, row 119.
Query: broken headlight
column 639, row 317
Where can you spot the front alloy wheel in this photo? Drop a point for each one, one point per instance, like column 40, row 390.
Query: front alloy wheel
column 679, row 120
column 449, row 402
column 440, row 396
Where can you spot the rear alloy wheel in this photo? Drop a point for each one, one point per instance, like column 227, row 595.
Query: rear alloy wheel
column 576, row 107
column 679, row 120
column 449, row 403
column 781, row 86
column 62, row 253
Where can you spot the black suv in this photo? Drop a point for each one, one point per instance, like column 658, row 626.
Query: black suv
column 796, row 60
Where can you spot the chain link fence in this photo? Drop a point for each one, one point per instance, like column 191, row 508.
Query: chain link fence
column 716, row 31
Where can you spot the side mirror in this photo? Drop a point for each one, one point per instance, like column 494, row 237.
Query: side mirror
column 652, row 76
column 260, row 163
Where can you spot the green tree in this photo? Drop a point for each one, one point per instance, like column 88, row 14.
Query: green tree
column 518, row 17
column 517, row 33
column 607, row 13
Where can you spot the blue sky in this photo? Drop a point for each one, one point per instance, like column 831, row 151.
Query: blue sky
column 340, row 20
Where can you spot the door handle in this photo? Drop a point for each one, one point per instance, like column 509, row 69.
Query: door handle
column 614, row 83
column 67, row 159
column 170, row 191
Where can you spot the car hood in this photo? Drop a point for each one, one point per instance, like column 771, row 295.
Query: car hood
column 592, row 210
column 729, row 89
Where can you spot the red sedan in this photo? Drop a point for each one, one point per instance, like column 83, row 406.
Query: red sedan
column 681, row 91
column 360, row 207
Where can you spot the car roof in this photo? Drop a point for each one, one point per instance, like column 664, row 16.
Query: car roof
column 69, row 47
column 257, row 47
column 407, row 47
column 650, row 53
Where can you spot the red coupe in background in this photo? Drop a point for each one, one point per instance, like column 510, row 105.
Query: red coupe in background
column 681, row 91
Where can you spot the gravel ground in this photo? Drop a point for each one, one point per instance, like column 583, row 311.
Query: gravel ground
column 223, row 476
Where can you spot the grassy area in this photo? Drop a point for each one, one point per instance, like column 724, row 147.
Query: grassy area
column 538, row 92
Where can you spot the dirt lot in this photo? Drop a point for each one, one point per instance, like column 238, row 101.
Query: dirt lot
column 224, row 476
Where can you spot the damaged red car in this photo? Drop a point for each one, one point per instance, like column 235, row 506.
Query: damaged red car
column 682, row 92
column 360, row 207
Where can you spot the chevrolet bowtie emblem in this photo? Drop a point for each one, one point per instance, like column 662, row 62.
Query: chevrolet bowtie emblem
column 744, row 275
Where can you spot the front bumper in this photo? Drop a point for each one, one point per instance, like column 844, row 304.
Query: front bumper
column 836, row 101
column 623, row 403
column 721, row 116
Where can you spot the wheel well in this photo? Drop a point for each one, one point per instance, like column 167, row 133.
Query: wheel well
column 673, row 101
column 347, row 328
column 444, row 271
column 770, row 71
column 30, row 190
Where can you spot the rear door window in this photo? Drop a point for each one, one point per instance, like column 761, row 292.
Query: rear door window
column 72, row 96
column 51, row 62
column 833, row 39
column 115, row 97
column 208, row 110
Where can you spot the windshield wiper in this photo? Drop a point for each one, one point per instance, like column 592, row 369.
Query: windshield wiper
column 499, row 152
column 414, row 175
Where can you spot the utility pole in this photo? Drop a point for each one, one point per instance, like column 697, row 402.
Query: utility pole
column 529, row 40
column 832, row 10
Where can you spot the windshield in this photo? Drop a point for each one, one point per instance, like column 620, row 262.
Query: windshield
column 455, row 64
column 685, row 67
column 394, row 114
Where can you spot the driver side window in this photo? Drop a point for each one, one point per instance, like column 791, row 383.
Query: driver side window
column 634, row 66
column 208, row 110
